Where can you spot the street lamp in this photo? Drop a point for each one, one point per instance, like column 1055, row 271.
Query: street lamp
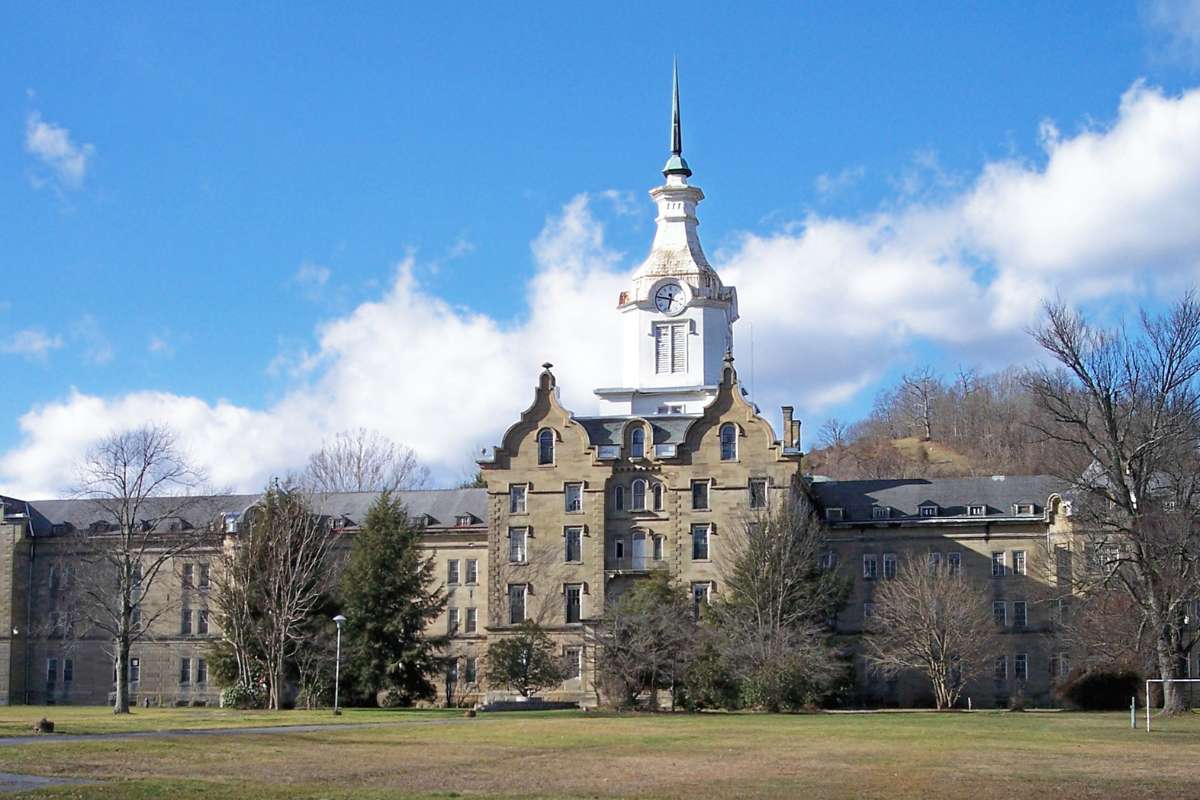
column 337, row 665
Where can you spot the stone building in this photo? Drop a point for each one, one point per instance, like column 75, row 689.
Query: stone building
column 578, row 508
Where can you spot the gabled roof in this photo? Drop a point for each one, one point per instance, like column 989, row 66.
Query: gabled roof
column 999, row 494
column 667, row 429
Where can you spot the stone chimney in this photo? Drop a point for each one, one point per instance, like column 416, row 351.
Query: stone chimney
column 787, row 425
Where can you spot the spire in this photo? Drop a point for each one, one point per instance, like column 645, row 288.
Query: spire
column 675, row 164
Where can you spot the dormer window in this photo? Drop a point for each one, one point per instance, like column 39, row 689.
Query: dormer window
column 464, row 520
column 545, row 442
column 879, row 512
column 928, row 509
column 1023, row 509
column 834, row 514
column 637, row 443
column 976, row 510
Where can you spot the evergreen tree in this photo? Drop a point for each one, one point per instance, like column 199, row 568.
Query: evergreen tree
column 390, row 597
column 525, row 661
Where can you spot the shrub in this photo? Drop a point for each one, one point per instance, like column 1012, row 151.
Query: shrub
column 1100, row 689
column 242, row 696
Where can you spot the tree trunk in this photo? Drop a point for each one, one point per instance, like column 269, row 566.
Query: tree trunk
column 1168, row 666
column 121, row 698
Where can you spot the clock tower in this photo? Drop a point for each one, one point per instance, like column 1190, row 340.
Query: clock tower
column 677, row 315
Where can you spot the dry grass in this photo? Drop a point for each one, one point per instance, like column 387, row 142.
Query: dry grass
column 984, row 755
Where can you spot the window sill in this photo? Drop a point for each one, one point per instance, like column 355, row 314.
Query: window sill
column 518, row 563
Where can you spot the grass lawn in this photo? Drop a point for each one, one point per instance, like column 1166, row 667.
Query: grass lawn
column 895, row 755
column 18, row 720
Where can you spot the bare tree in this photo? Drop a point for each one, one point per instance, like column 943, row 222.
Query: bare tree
column 931, row 621
column 1123, row 410
column 833, row 434
column 139, row 486
column 364, row 460
column 920, row 390
column 287, row 545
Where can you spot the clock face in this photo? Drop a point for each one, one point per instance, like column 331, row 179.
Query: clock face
column 669, row 298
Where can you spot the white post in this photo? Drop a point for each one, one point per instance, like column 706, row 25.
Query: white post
column 1133, row 712
column 968, row 704
column 337, row 664
column 1147, row 706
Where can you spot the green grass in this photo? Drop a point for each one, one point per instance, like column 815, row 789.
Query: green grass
column 19, row 720
column 984, row 755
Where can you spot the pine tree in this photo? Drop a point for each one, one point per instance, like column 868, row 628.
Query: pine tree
column 390, row 597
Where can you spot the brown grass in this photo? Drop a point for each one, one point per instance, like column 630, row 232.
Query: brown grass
column 983, row 756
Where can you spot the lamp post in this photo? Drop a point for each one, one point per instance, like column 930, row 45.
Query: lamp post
column 337, row 665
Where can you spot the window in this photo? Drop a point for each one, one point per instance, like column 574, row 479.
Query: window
column 1059, row 666
column 976, row 510
column 1000, row 612
column 472, row 620
column 452, row 571
column 516, row 545
column 470, row 669
column 572, row 663
column 700, row 595
column 1020, row 613
column 574, row 542
column 545, row 442
column 700, row 495
column 618, row 549
column 834, row 515
column 729, row 442
column 463, row 520
column 1001, row 668
column 1024, row 509
column 573, row 497
column 638, row 496
column 879, row 512
column 135, row 670
column 516, row 499
column 929, row 511
column 574, row 603
column 185, row 621
column 699, row 542
column 656, row 493
column 52, row 579
column 758, row 493
column 201, row 670
column 997, row 565
column 185, row 670
column 187, row 575
column 670, row 347
column 1018, row 562
column 889, row 566
column 135, row 616
column 658, row 548
column 452, row 621
column 68, row 670
column 671, row 408
column 1021, row 667
column 204, row 576
column 202, row 621
column 51, row 672
column 935, row 562
column 472, row 570
column 954, row 563
column 868, row 610
column 516, row 603
column 637, row 442
column 870, row 567
column 619, row 498
column 828, row 560
column 452, row 672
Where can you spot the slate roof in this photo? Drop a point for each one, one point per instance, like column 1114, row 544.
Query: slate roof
column 441, row 506
column 952, row 495
column 667, row 429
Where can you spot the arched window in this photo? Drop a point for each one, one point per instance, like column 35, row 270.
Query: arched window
column 619, row 498
column 729, row 442
column 637, row 443
column 545, row 446
column 639, row 496
column 656, row 492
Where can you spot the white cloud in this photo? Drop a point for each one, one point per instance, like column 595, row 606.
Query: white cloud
column 64, row 160
column 97, row 348
column 1105, row 214
column 1178, row 21
column 160, row 345
column 32, row 343
column 828, row 184
column 312, row 278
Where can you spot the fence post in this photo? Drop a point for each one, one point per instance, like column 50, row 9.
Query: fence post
column 1133, row 712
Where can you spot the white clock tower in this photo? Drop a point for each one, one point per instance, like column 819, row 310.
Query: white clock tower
column 678, row 317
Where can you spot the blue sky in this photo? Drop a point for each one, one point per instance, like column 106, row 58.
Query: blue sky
column 205, row 208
